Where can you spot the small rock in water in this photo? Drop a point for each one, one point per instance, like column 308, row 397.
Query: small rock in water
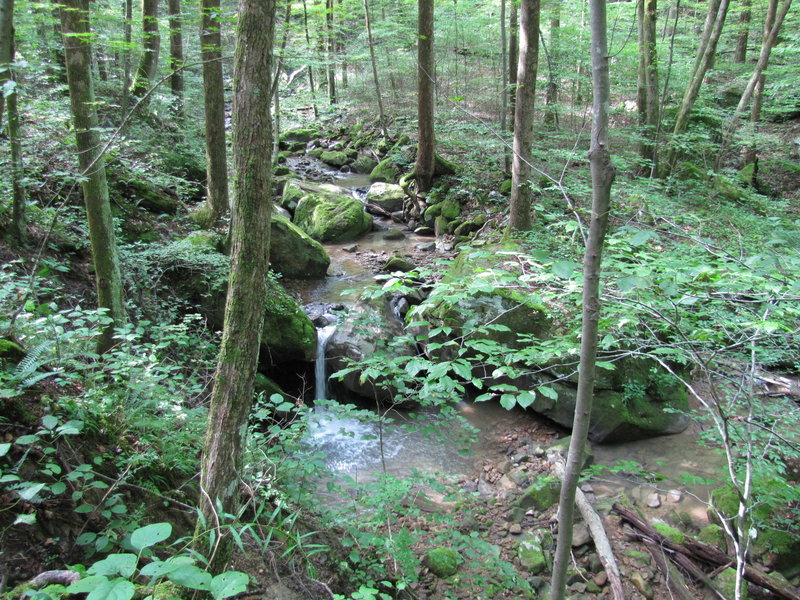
column 397, row 216
column 424, row 231
column 654, row 500
column 426, row 247
column 675, row 496
column 587, row 488
column 394, row 234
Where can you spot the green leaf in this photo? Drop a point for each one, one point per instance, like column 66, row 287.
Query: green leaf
column 26, row 440
column 508, row 401
column 30, row 492
column 564, row 268
column 70, row 427
column 58, row 487
column 25, row 519
column 115, row 564
column 4, row 448
column 192, row 577
column 159, row 568
column 641, row 237
column 49, row 422
column 147, row 536
column 116, row 589
column 526, row 398
column 604, row 364
column 547, row 392
column 229, row 584
column 87, row 584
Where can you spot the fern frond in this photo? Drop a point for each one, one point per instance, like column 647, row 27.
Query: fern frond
column 31, row 362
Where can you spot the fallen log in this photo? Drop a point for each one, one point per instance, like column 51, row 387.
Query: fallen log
column 672, row 576
column 693, row 549
column 595, row 525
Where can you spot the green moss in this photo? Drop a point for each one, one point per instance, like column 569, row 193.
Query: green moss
column 386, row 170
column 288, row 333
column 674, row 535
column 505, row 187
column 294, row 253
column 397, row 263
column 541, row 495
column 300, row 134
column 364, row 164
column 11, row 351
column 531, row 554
column 443, row 562
column 332, row 217
column 713, row 535
column 335, row 158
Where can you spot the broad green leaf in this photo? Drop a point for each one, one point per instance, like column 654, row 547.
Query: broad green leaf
column 25, row 519
column 641, row 238
column 87, row 584
column 547, row 392
column 229, row 584
column 116, row 589
column 49, row 422
column 147, row 536
column 4, row 448
column 604, row 364
column 508, row 401
column 25, row 440
column 564, row 268
column 70, row 427
column 30, row 492
column 58, row 487
column 192, row 577
column 159, row 568
column 115, row 564
column 526, row 398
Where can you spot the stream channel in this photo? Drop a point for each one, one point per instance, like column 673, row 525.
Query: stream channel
column 363, row 450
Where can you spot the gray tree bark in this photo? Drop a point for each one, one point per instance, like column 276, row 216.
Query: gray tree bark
column 647, row 75
column 376, row 81
column 740, row 55
column 176, row 60
column 18, row 221
column 425, row 165
column 551, row 92
column 521, row 194
column 232, row 395
column 151, row 44
column 78, row 54
column 602, row 177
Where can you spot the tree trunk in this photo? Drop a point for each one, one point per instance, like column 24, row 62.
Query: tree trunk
column 232, row 395
column 602, row 178
column 375, row 79
column 331, row 51
column 521, row 193
column 513, row 59
column 6, row 48
column 772, row 28
column 551, row 92
column 310, row 67
column 127, row 14
column 503, row 71
column 214, row 101
column 425, row 165
column 705, row 54
column 276, row 79
column 151, row 43
column 176, row 54
column 78, row 54
column 648, row 103
column 740, row 55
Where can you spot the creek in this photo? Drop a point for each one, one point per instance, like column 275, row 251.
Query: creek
column 401, row 442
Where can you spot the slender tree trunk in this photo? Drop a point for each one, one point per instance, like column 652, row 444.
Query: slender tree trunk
column 276, row 79
column 503, row 71
column 426, row 159
column 740, row 55
column 602, row 178
column 772, row 28
column 232, row 395
column 310, row 67
column 648, row 103
column 513, row 59
column 151, row 42
column 78, row 54
column 551, row 93
column 521, row 194
column 376, row 81
column 214, row 102
column 331, row 50
column 18, row 225
column 6, row 49
column 341, row 47
column 127, row 14
column 176, row 54
column 708, row 46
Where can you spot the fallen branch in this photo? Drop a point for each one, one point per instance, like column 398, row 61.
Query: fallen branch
column 692, row 549
column 54, row 578
column 595, row 525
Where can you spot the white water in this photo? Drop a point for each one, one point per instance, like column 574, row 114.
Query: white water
column 320, row 372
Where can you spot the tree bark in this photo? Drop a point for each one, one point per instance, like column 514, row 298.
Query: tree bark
column 602, row 177
column 425, row 165
column 375, row 79
column 6, row 48
column 551, row 92
column 647, row 75
column 232, row 395
column 310, row 67
column 331, row 50
column 127, row 27
column 521, row 193
column 513, row 59
column 214, row 102
column 503, row 71
column 176, row 54
column 18, row 225
column 740, row 54
column 151, row 42
column 78, row 54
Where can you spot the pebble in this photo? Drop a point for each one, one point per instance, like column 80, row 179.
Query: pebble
column 654, row 500
column 515, row 529
column 675, row 496
column 580, row 535
column 601, row 578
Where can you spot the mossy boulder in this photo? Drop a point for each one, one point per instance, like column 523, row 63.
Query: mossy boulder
column 471, row 226
column 294, row 253
column 301, row 134
column 334, row 158
column 398, row 263
column 443, row 562
column 505, row 187
column 364, row 163
column 676, row 536
column 389, row 196
column 531, row 553
column 713, row 535
column 288, row 333
column 541, row 495
column 292, row 194
column 387, row 171
column 141, row 193
column 726, row 583
column 281, row 170
column 332, row 217
column 264, row 385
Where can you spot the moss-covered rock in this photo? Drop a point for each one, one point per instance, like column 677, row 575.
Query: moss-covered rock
column 541, row 495
column 293, row 253
column 264, row 385
column 334, row 158
column 676, row 536
column 292, row 193
column 388, row 196
column 144, row 194
column 398, row 263
column 315, row 152
column 288, row 333
column 471, row 226
column 531, row 553
column 330, row 217
column 505, row 187
column 300, row 134
column 364, row 163
column 387, row 170
column 281, row 170
column 713, row 535
column 10, row 352
column 726, row 583
column 443, row 562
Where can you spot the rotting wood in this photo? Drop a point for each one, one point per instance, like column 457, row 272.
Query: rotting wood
column 672, row 576
column 595, row 525
column 692, row 549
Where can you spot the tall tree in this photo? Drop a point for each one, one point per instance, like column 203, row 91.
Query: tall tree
column 426, row 157
column 715, row 19
column 551, row 92
column 176, row 54
column 740, row 54
column 232, row 395
column 8, row 90
column 310, row 67
column 602, row 177
column 330, row 42
column 151, row 44
column 375, row 79
column 521, row 193
column 127, row 29
column 647, row 76
column 214, row 102
column 78, row 55
column 513, row 59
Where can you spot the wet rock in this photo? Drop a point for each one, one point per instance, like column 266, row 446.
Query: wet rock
column 388, row 196
column 394, row 234
column 351, row 248
column 331, row 217
column 293, row 253
column 397, row 263
column 426, row 247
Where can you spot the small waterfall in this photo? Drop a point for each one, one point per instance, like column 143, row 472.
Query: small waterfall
column 320, row 373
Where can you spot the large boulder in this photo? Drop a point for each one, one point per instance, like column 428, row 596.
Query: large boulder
column 331, row 217
column 288, row 333
column 293, row 253
column 387, row 170
column 388, row 196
